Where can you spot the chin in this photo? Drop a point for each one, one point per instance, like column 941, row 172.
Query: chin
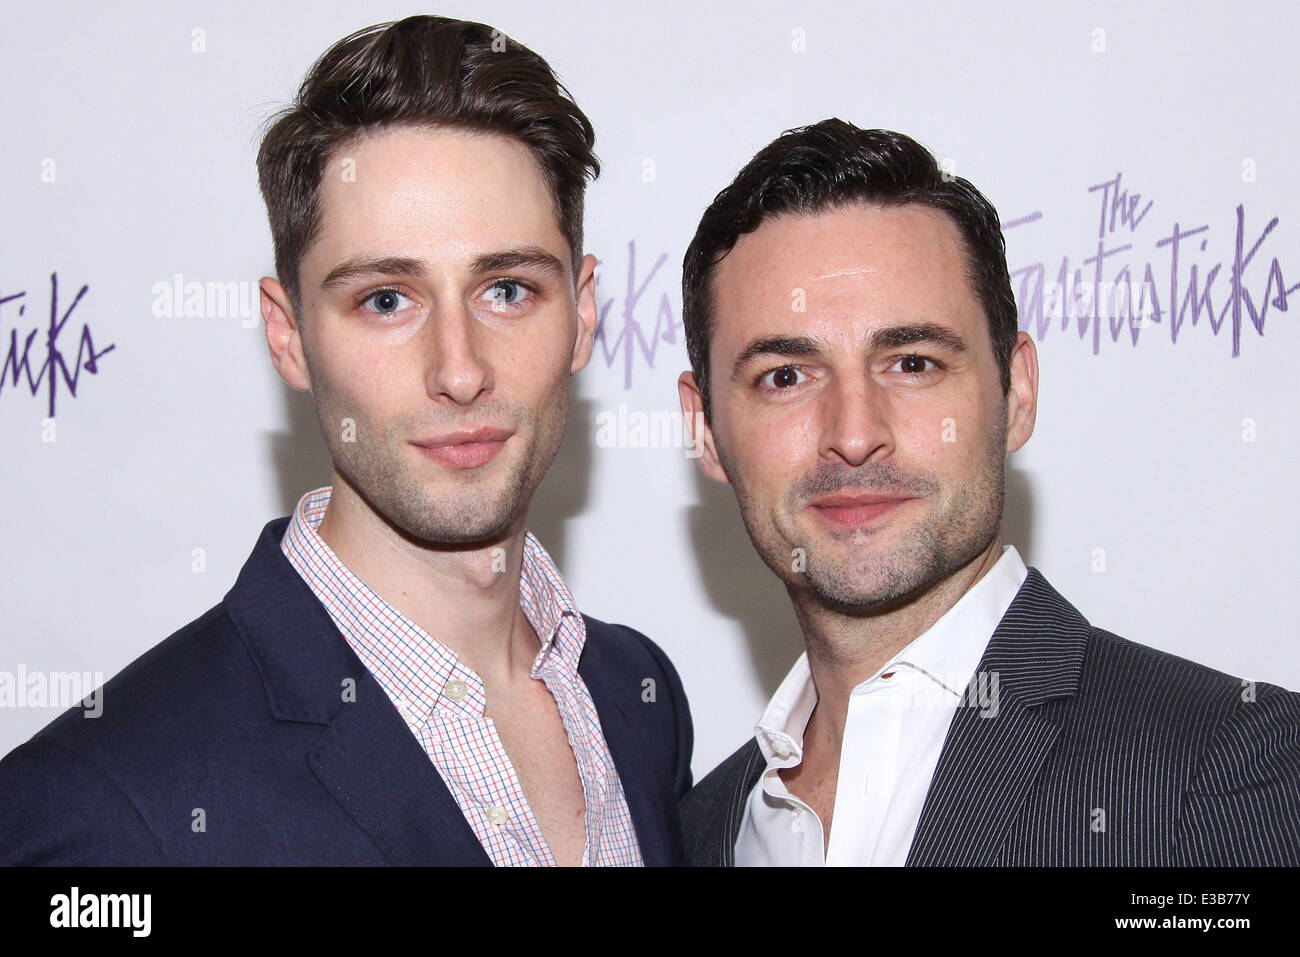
column 441, row 528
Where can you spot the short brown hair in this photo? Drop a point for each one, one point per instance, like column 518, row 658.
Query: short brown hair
column 421, row 71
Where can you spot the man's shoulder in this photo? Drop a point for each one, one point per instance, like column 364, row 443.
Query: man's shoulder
column 1131, row 689
column 1113, row 658
column 1116, row 666
column 1116, row 672
column 86, row 787
column 1223, row 742
column 624, row 648
column 201, row 668
column 732, row 775
column 628, row 673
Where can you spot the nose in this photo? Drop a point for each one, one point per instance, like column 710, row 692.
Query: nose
column 457, row 367
column 855, row 421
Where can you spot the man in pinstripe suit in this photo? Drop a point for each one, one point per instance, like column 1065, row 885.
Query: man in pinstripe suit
column 859, row 378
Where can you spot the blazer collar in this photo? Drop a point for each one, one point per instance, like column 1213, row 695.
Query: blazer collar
column 1004, row 730
column 303, row 660
column 366, row 757
column 649, row 803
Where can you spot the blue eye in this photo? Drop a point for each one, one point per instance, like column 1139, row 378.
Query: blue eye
column 505, row 292
column 386, row 301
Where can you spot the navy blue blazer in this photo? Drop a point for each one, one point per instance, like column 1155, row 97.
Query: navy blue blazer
column 231, row 743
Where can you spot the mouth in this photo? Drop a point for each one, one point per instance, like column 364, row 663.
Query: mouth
column 856, row 509
column 465, row 449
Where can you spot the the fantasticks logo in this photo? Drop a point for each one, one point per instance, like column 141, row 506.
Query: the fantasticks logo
column 47, row 366
column 76, row 909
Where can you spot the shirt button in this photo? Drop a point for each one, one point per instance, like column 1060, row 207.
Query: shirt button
column 498, row 815
column 455, row 690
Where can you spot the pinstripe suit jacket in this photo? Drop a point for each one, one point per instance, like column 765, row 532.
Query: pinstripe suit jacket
column 1101, row 752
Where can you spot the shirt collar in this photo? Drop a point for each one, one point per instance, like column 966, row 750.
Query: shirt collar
column 946, row 655
column 367, row 619
column 550, row 609
column 949, row 651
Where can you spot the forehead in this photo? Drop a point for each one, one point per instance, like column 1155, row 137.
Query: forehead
column 410, row 187
column 843, row 271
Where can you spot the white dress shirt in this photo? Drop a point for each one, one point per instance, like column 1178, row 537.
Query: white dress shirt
column 896, row 725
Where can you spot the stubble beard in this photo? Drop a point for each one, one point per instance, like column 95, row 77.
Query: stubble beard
column 464, row 508
column 857, row 573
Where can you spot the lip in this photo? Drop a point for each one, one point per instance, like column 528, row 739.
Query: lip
column 467, row 448
column 856, row 509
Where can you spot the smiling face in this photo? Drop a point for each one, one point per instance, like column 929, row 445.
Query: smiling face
column 856, row 404
column 440, row 327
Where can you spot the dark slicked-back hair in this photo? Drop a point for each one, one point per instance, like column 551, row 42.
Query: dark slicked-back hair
column 421, row 71
column 817, row 168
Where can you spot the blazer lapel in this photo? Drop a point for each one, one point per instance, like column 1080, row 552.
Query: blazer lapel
column 366, row 757
column 657, row 835
column 726, row 812
column 370, row 762
column 993, row 753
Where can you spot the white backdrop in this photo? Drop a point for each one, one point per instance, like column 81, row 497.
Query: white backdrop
column 1158, row 494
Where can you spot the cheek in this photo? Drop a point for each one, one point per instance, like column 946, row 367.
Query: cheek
column 357, row 385
column 769, row 452
column 945, row 424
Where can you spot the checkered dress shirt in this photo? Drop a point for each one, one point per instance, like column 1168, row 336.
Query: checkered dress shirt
column 443, row 702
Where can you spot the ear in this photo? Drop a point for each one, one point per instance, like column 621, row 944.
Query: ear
column 698, row 428
column 283, row 335
column 1022, row 400
column 587, row 313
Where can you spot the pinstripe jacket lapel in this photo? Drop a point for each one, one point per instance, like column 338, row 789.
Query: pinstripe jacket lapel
column 992, row 755
column 711, row 813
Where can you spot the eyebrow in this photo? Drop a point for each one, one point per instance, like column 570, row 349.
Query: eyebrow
column 520, row 257
column 796, row 347
column 892, row 337
column 385, row 265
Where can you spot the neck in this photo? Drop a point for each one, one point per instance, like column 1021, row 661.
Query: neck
column 845, row 649
column 465, row 597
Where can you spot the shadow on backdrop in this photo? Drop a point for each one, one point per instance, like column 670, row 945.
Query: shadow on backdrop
column 740, row 586
column 302, row 462
column 563, row 493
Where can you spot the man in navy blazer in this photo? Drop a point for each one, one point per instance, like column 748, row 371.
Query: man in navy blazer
column 859, row 377
column 399, row 675
column 231, row 743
